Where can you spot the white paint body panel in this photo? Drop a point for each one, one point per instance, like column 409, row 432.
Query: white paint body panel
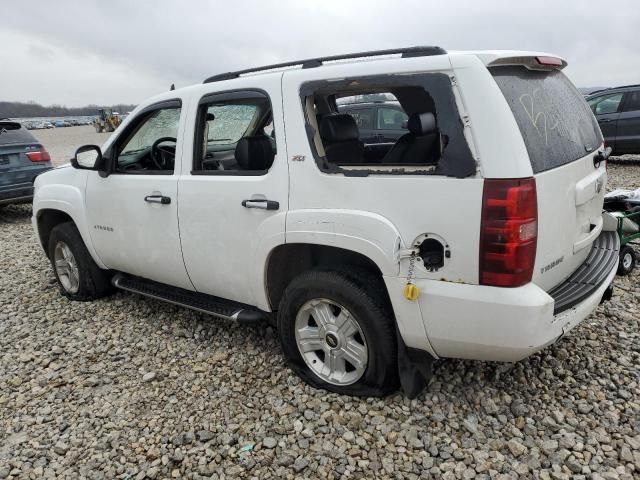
column 144, row 239
column 205, row 240
column 225, row 245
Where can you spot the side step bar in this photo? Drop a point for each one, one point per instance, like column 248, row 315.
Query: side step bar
column 200, row 302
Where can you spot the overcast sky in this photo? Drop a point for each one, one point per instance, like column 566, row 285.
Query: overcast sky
column 117, row 51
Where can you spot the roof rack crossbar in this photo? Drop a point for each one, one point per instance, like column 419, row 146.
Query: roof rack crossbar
column 409, row 52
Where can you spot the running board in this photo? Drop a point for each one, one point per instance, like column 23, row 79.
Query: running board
column 200, row 302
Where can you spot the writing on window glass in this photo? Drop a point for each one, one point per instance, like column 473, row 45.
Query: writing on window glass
column 542, row 120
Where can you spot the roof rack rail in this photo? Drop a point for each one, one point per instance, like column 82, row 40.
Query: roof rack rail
column 409, row 52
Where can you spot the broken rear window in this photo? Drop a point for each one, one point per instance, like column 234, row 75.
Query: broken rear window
column 432, row 141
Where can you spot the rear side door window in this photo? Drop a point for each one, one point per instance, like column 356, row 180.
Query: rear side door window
column 234, row 134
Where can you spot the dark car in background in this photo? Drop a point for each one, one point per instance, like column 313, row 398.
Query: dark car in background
column 380, row 125
column 618, row 113
column 22, row 159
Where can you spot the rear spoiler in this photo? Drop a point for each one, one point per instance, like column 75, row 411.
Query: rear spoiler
column 540, row 62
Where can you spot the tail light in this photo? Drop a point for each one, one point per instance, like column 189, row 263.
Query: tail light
column 40, row 155
column 508, row 232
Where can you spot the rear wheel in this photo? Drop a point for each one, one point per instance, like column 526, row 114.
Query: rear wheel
column 338, row 335
column 627, row 260
column 78, row 275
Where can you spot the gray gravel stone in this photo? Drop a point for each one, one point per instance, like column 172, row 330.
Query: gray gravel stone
column 269, row 442
column 74, row 402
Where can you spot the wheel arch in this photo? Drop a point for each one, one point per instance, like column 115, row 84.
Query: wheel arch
column 289, row 260
column 47, row 217
column 46, row 220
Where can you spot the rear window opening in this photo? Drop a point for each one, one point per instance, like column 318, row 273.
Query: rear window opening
column 387, row 125
column 555, row 121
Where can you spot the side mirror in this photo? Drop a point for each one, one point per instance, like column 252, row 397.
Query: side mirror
column 405, row 125
column 88, row 157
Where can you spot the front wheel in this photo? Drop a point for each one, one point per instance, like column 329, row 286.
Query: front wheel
column 78, row 275
column 627, row 260
column 338, row 334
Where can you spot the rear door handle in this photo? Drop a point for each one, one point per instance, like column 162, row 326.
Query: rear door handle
column 261, row 203
column 158, row 199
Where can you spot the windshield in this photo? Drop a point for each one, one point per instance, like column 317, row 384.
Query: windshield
column 556, row 123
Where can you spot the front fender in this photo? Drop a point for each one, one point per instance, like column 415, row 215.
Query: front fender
column 69, row 199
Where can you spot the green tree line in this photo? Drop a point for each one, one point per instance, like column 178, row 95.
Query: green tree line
column 32, row 109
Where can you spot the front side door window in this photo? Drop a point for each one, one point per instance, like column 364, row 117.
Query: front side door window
column 151, row 146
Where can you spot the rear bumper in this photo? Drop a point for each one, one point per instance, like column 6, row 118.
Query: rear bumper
column 16, row 193
column 20, row 190
column 499, row 324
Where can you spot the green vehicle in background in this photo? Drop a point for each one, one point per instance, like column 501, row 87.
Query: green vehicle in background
column 624, row 205
column 106, row 121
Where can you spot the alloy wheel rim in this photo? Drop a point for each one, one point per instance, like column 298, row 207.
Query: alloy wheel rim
column 66, row 267
column 331, row 342
column 626, row 260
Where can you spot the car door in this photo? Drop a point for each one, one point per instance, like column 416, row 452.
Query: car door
column 132, row 212
column 628, row 129
column 389, row 122
column 606, row 109
column 233, row 192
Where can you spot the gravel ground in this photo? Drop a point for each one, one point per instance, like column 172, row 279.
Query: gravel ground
column 61, row 143
column 132, row 388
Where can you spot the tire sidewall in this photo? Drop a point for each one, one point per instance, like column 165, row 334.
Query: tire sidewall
column 88, row 288
column 381, row 372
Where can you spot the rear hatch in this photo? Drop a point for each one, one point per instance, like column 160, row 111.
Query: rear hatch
column 562, row 137
column 15, row 143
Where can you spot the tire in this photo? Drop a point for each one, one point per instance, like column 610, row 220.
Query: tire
column 74, row 259
column 627, row 260
column 358, row 302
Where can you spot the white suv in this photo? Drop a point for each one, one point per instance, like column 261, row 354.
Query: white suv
column 478, row 234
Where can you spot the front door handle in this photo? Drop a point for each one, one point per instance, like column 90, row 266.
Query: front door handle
column 261, row 203
column 158, row 199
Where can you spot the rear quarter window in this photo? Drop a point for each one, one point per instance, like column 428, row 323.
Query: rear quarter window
column 556, row 123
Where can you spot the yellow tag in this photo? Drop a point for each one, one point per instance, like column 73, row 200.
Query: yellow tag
column 411, row 292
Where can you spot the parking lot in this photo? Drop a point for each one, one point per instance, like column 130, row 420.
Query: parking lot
column 129, row 387
column 61, row 143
